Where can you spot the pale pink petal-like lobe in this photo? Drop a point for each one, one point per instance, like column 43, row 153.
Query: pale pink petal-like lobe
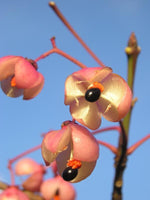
column 74, row 88
column 93, row 73
column 125, row 104
column 30, row 93
column 101, row 74
column 53, row 185
column 25, row 74
column 33, row 183
column 86, row 113
column 26, row 166
column 7, row 66
column 116, row 98
column 54, row 142
column 82, row 139
column 9, row 90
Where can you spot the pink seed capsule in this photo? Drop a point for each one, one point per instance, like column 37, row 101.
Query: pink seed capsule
column 13, row 193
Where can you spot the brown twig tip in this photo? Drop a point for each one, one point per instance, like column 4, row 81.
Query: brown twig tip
column 132, row 40
column 52, row 3
column 53, row 41
column 132, row 47
column 134, row 101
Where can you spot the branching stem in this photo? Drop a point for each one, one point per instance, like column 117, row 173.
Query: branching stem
column 60, row 52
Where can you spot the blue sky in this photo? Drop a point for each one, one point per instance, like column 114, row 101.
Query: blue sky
column 26, row 27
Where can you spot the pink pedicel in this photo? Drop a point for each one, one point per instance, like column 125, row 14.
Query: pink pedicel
column 19, row 76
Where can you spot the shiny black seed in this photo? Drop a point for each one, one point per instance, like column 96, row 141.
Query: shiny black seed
column 92, row 94
column 69, row 174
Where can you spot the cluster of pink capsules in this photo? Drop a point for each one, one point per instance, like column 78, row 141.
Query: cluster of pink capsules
column 91, row 92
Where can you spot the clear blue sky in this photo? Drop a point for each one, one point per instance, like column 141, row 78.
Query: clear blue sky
column 25, row 30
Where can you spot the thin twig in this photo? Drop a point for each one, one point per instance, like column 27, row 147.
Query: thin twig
column 66, row 23
column 137, row 144
column 111, row 128
column 120, row 164
column 112, row 148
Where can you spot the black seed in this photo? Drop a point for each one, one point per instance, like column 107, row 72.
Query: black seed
column 92, row 94
column 69, row 174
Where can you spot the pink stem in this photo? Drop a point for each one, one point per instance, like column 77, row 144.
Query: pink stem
column 62, row 53
column 137, row 144
column 117, row 128
column 109, row 146
column 66, row 23
column 11, row 161
column 11, row 174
